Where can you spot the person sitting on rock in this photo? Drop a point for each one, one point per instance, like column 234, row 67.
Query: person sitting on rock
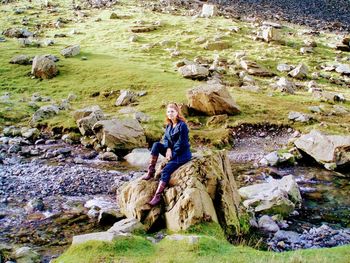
column 176, row 149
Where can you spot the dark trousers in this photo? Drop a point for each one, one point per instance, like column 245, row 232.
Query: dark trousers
column 170, row 167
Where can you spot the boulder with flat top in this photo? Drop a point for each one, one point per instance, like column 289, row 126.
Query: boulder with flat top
column 118, row 134
column 329, row 150
column 212, row 99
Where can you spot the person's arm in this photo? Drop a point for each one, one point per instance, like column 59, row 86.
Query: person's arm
column 182, row 141
column 165, row 139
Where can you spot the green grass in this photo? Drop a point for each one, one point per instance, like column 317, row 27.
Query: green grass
column 208, row 249
column 114, row 63
column 212, row 247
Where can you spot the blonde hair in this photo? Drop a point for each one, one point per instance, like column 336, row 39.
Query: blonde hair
column 179, row 114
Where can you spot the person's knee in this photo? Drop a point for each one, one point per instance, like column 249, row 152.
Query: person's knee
column 156, row 147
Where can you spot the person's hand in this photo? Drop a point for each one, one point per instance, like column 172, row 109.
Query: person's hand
column 168, row 154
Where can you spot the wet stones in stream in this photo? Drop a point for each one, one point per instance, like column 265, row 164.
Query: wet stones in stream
column 316, row 237
column 36, row 179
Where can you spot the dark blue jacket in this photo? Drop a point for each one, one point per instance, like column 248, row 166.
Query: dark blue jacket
column 177, row 140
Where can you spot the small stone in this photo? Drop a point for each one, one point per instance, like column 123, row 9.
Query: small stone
column 108, row 156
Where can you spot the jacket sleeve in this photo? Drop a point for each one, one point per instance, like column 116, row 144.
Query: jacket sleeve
column 182, row 142
column 165, row 139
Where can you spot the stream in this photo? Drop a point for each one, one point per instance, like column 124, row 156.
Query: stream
column 42, row 199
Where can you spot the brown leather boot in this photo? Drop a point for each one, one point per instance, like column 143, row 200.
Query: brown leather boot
column 151, row 168
column 158, row 195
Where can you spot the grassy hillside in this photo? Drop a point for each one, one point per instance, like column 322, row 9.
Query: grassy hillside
column 114, row 63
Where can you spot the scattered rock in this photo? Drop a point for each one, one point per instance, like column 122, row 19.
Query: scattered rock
column 299, row 117
column 128, row 225
column 284, row 67
column 208, row 10
column 217, row 120
column 43, row 68
column 194, row 71
column 81, row 113
column 43, row 113
column 30, row 133
column 300, row 72
column 70, row 51
column 254, row 69
column 17, row 33
column 126, row 97
column 343, row 69
column 141, row 117
column 330, row 97
column 108, row 156
column 143, row 29
column 21, row 60
column 217, row 45
column 284, row 85
column 267, row 224
column 268, row 34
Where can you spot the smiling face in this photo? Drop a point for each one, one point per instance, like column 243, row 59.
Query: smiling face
column 172, row 114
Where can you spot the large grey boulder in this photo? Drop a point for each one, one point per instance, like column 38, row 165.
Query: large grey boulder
column 44, row 68
column 325, row 149
column 275, row 197
column 212, row 100
column 194, row 71
column 202, row 190
column 118, row 134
